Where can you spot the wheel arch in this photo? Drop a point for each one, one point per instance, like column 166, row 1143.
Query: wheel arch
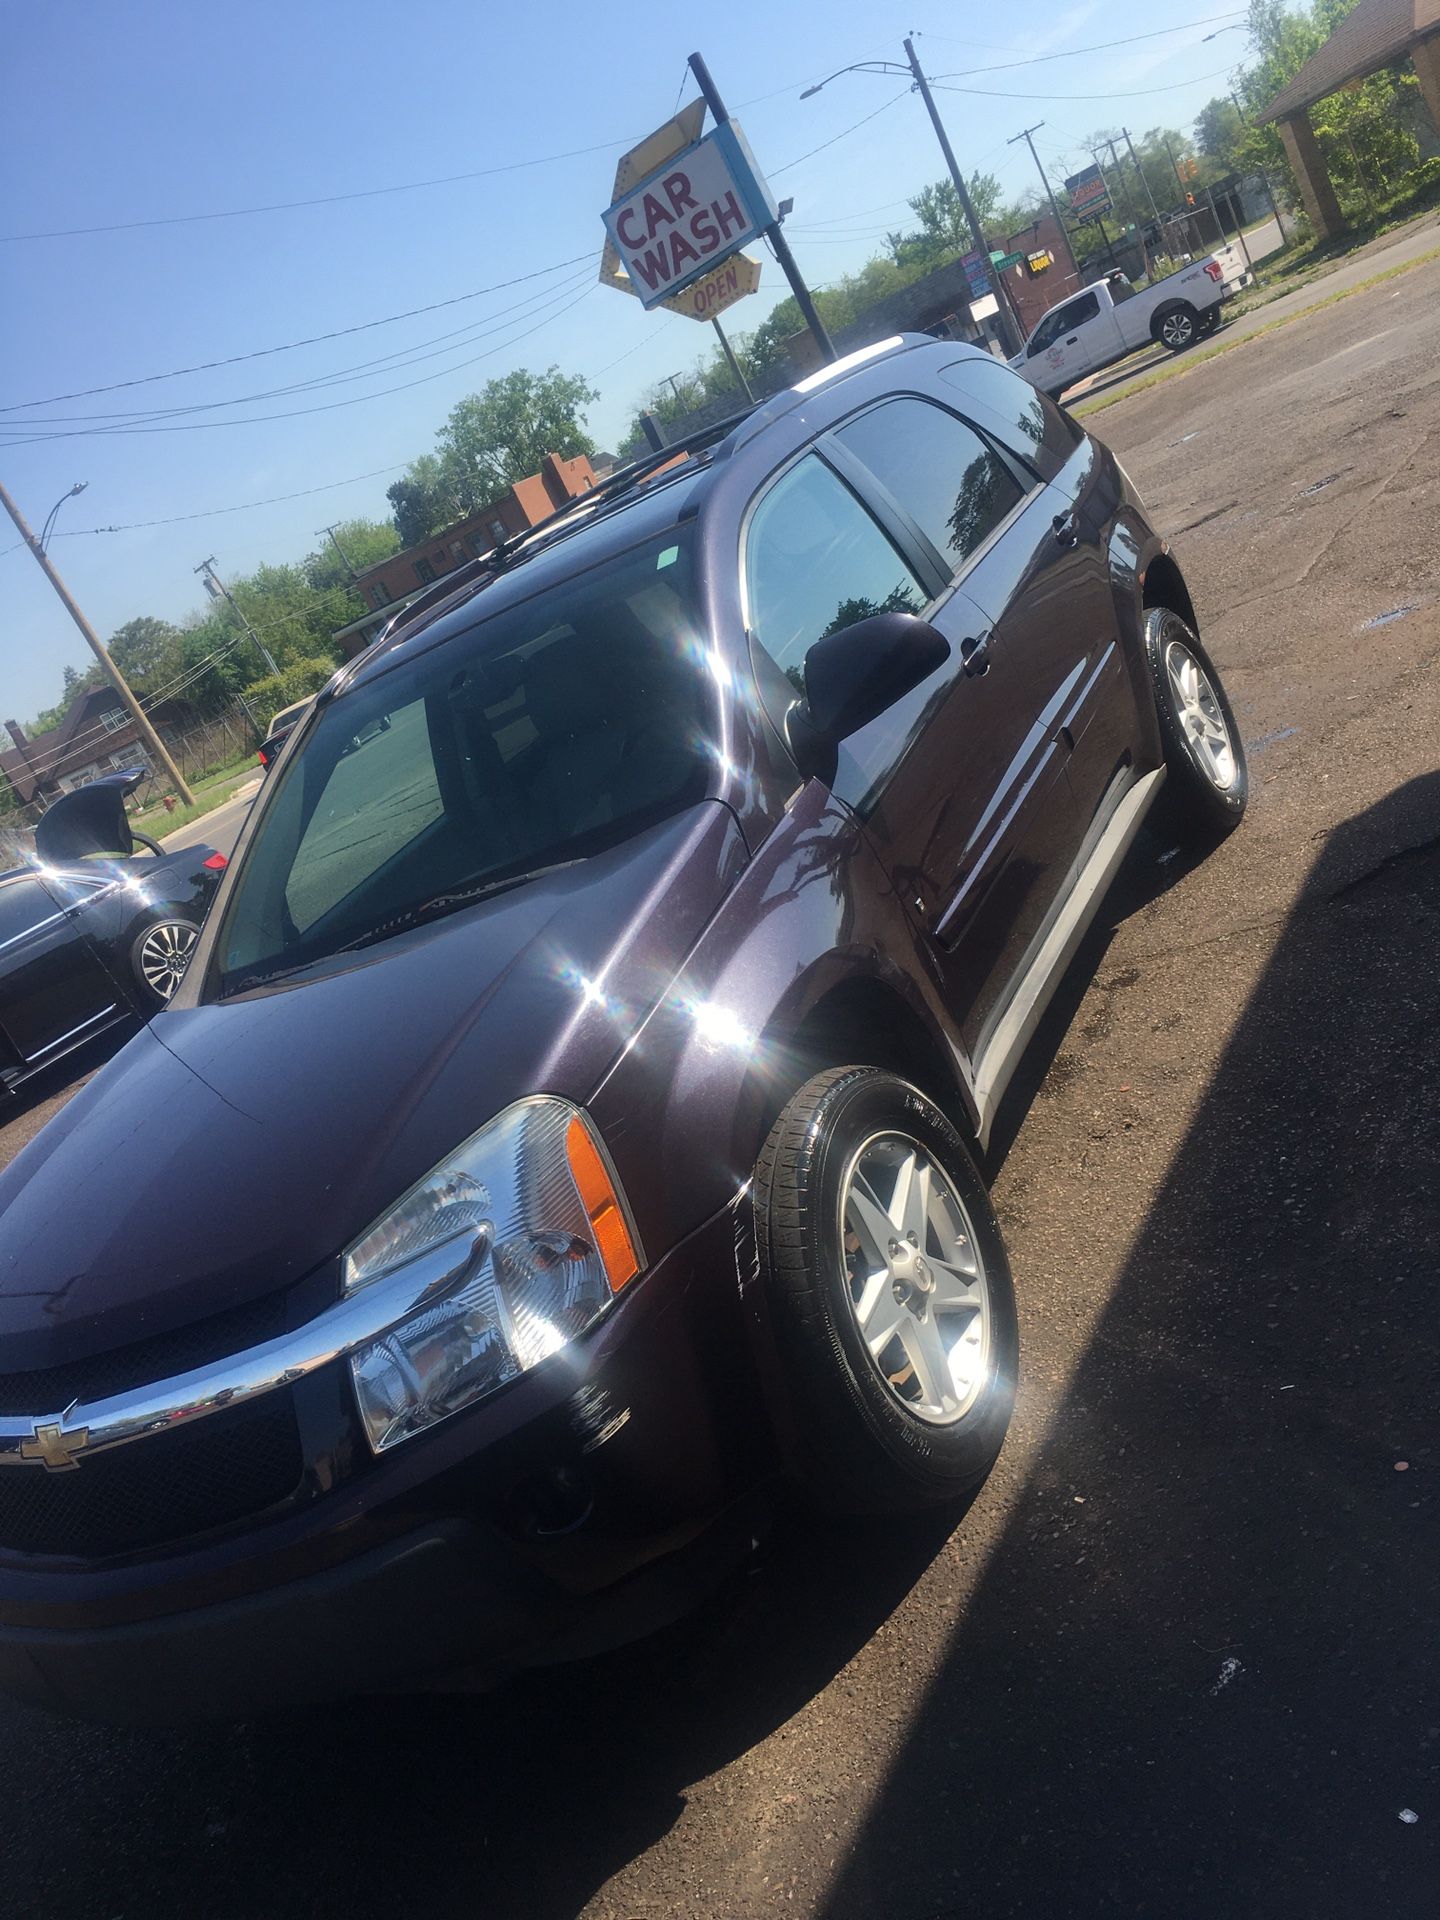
column 1163, row 585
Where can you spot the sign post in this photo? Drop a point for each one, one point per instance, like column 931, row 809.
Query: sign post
column 1089, row 194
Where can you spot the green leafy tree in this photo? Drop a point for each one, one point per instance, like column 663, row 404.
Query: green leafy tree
column 360, row 544
column 149, row 652
column 423, row 499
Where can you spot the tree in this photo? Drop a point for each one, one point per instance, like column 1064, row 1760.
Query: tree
column 497, row 436
column 944, row 232
column 363, row 543
column 149, row 652
column 423, row 500
column 492, row 439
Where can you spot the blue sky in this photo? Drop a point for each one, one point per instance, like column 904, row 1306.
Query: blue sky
column 156, row 110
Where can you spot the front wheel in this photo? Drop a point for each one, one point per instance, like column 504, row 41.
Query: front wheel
column 1204, row 754
column 892, row 1302
column 160, row 954
column 1177, row 327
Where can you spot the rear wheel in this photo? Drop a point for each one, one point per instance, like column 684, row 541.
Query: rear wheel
column 893, row 1306
column 160, row 955
column 1204, row 754
column 1177, row 327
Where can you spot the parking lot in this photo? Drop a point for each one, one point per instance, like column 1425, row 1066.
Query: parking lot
column 1179, row 1658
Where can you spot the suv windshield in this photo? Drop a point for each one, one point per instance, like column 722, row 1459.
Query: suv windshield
column 543, row 734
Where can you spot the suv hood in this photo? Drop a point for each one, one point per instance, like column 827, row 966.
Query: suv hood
column 232, row 1148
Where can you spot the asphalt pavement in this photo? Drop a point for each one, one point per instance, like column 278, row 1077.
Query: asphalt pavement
column 1180, row 1656
column 219, row 828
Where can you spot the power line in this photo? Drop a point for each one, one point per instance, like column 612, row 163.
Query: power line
column 952, row 40
column 339, row 376
column 290, row 346
column 1144, row 93
column 296, row 413
column 242, row 506
column 362, row 193
column 844, row 134
column 1072, row 53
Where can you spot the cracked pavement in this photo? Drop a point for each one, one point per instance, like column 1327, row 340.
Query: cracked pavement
column 1180, row 1656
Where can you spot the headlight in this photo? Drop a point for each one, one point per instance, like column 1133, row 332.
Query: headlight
column 542, row 1243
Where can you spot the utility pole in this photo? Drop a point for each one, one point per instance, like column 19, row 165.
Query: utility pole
column 339, row 549
column 92, row 640
column 779, row 245
column 1011, row 333
column 217, row 590
column 1024, row 135
column 1125, row 131
column 735, row 366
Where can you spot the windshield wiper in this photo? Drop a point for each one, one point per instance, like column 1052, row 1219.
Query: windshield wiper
column 449, row 902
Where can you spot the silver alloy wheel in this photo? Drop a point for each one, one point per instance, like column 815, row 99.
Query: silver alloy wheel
column 915, row 1278
column 1201, row 718
column 1177, row 329
column 164, row 954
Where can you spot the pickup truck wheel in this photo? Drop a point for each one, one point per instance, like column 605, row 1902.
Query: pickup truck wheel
column 160, row 954
column 1204, row 755
column 890, row 1295
column 1177, row 327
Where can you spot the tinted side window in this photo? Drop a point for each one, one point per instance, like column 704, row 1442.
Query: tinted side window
column 1047, row 331
column 1083, row 309
column 955, row 488
column 1017, row 413
column 815, row 561
column 23, row 904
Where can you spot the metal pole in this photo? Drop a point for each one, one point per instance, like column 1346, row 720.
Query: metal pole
column 1045, row 182
column 1007, row 320
column 778, row 242
column 349, row 565
column 1155, row 211
column 1239, row 228
column 207, row 567
column 1109, row 243
column 735, row 366
column 92, row 640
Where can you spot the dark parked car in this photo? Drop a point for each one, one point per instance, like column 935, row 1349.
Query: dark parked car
column 94, row 931
column 570, row 1105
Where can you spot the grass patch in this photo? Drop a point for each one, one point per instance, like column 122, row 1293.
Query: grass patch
column 1193, row 360
column 158, row 823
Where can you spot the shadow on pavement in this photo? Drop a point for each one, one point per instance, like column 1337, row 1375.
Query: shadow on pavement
column 519, row 1803
column 1208, row 1687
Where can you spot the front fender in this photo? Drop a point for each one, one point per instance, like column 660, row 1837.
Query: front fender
column 686, row 1107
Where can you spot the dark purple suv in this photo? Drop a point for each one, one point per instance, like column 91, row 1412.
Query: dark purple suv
column 562, row 1136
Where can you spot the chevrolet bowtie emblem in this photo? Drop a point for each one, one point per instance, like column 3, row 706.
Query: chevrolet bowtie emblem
column 57, row 1450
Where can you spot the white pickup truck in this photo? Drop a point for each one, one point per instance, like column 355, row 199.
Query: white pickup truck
column 1109, row 320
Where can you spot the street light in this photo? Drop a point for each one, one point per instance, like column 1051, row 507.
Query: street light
column 79, row 487
column 1007, row 320
column 1240, row 28
column 860, row 66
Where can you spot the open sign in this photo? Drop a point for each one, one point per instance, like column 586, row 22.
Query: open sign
column 689, row 215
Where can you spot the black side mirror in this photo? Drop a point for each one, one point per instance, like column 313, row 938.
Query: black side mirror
column 853, row 676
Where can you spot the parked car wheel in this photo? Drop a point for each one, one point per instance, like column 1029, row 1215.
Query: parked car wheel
column 1203, row 749
column 893, row 1305
column 1177, row 327
column 161, row 954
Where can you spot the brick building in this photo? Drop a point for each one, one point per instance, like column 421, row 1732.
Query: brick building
column 96, row 736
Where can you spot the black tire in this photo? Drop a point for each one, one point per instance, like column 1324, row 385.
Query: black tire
column 1203, row 807
column 1176, row 327
column 157, row 959
column 859, row 1448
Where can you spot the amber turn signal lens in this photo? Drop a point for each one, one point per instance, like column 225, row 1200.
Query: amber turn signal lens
column 602, row 1204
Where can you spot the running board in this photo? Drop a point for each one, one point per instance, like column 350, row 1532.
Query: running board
column 1017, row 1026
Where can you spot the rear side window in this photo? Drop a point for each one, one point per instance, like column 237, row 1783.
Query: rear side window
column 954, row 486
column 1018, row 415
column 815, row 561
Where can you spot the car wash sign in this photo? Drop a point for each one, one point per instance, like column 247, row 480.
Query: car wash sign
column 691, row 213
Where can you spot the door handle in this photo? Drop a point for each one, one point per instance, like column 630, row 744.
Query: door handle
column 1065, row 529
column 1073, row 338
column 975, row 655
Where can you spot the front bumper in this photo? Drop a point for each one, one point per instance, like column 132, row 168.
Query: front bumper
column 577, row 1508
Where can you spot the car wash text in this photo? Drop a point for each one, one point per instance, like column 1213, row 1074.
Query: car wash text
column 689, row 214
